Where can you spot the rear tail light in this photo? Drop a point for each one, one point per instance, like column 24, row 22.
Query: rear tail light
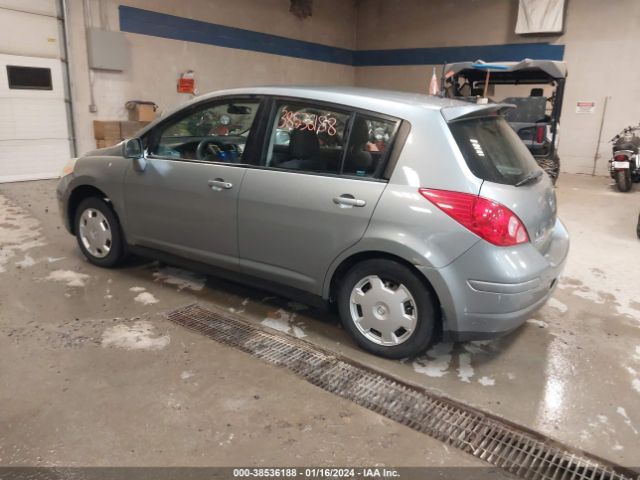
column 621, row 158
column 490, row 220
column 540, row 133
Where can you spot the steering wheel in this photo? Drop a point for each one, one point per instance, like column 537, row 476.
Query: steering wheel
column 204, row 148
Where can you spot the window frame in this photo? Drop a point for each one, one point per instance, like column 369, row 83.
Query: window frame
column 270, row 113
column 151, row 139
column 48, row 88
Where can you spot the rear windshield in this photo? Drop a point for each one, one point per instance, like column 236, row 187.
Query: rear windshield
column 492, row 150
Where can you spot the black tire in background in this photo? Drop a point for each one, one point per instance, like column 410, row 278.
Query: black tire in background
column 425, row 300
column 117, row 251
column 551, row 166
column 623, row 180
column 638, row 227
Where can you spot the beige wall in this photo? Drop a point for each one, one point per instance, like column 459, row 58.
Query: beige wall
column 156, row 63
column 600, row 38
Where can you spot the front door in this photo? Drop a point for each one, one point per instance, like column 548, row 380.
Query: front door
column 183, row 197
column 314, row 193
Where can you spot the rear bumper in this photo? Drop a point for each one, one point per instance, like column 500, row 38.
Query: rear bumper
column 489, row 291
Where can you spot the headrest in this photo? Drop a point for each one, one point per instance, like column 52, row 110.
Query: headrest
column 359, row 133
column 303, row 144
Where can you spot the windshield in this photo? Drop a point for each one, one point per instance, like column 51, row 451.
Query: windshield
column 492, row 150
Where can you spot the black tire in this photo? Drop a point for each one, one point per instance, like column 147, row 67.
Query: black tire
column 551, row 166
column 397, row 273
column 117, row 249
column 623, row 180
column 638, row 227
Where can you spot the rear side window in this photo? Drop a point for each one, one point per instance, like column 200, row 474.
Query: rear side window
column 308, row 138
column 319, row 139
column 369, row 146
column 492, row 150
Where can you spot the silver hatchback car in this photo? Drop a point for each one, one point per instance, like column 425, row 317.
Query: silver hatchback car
column 416, row 216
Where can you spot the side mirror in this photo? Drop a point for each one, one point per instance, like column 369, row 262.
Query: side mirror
column 133, row 148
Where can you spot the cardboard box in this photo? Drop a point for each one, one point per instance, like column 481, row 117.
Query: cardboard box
column 108, row 142
column 130, row 128
column 106, row 129
column 142, row 112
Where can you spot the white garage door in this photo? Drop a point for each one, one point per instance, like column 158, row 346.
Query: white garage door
column 34, row 139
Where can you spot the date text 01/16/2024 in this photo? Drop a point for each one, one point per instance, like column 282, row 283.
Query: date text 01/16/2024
column 325, row 473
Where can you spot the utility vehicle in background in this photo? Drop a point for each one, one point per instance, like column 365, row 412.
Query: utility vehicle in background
column 536, row 118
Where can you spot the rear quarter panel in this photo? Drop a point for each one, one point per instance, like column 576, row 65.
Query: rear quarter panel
column 406, row 224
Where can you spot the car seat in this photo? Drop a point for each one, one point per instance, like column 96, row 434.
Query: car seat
column 304, row 148
column 358, row 161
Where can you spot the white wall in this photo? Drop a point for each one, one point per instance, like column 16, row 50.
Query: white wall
column 601, row 47
column 157, row 62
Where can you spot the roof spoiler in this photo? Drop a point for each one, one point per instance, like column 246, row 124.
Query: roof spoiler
column 472, row 110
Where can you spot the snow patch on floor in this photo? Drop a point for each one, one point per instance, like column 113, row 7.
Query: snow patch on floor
column 180, row 278
column 465, row 370
column 187, row 374
column 558, row 305
column 146, row 298
column 19, row 232
column 54, row 259
column 137, row 289
column 139, row 336
column 436, row 361
column 538, row 323
column 486, row 381
column 283, row 321
column 623, row 413
column 26, row 262
column 71, row 278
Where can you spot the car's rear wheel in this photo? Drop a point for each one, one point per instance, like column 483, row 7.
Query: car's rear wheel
column 387, row 308
column 98, row 232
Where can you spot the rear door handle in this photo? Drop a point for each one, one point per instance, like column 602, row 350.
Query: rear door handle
column 219, row 184
column 347, row 200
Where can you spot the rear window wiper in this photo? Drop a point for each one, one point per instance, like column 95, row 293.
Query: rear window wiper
column 529, row 178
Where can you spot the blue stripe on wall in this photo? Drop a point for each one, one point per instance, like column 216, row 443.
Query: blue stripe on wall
column 437, row 56
column 145, row 22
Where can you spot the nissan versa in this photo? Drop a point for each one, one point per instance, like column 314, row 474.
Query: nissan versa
column 414, row 215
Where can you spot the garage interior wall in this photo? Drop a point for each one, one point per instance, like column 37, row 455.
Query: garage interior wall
column 601, row 40
column 156, row 63
column 598, row 46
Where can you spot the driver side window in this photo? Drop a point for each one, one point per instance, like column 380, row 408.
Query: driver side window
column 216, row 132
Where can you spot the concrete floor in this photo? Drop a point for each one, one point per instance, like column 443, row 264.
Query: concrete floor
column 92, row 373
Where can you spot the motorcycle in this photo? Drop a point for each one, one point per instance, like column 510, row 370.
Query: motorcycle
column 624, row 166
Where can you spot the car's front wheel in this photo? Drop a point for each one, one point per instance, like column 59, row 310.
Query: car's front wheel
column 98, row 232
column 387, row 308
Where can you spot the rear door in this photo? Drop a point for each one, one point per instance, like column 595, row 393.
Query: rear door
column 313, row 192
column 511, row 176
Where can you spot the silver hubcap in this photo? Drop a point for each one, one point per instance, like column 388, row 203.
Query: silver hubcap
column 384, row 312
column 95, row 233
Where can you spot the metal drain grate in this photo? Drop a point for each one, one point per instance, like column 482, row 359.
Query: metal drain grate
column 522, row 452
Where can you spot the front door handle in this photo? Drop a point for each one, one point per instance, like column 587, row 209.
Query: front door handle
column 346, row 200
column 219, row 184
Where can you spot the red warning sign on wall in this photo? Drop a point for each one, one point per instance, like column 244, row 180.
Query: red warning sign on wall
column 187, row 83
